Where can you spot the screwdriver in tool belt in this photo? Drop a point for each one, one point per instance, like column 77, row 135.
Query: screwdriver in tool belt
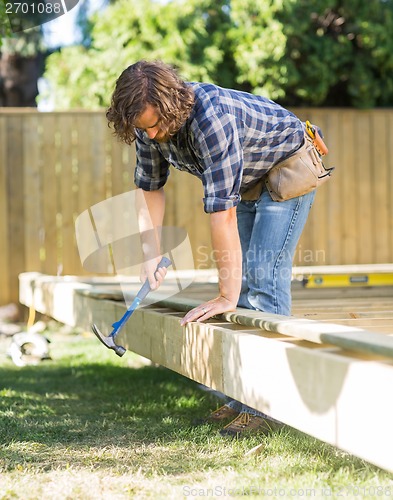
column 316, row 139
column 310, row 130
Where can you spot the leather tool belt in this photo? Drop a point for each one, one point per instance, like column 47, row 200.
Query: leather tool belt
column 298, row 174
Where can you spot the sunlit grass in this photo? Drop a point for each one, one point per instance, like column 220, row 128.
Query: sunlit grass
column 90, row 425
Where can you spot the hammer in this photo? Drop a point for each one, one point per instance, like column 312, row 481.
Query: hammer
column 110, row 340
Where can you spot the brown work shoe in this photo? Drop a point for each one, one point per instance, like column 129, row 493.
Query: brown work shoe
column 223, row 413
column 246, row 422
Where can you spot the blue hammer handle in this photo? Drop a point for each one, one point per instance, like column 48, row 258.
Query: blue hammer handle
column 118, row 325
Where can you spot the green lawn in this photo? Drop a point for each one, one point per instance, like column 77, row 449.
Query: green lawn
column 90, row 425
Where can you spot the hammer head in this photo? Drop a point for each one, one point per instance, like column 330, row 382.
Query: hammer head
column 109, row 341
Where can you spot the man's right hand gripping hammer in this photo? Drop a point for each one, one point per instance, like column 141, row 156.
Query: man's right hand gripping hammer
column 110, row 340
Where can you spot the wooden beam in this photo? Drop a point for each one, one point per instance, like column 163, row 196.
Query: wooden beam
column 332, row 394
column 347, row 337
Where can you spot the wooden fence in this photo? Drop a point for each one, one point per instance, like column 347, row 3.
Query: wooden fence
column 53, row 166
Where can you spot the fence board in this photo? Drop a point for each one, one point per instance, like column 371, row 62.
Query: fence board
column 4, row 227
column 32, row 156
column 49, row 196
column 363, row 184
column 68, row 253
column 116, row 166
column 55, row 165
column 85, row 163
column 389, row 134
column 98, row 158
column 334, row 189
column 15, row 181
column 346, row 172
column 380, row 195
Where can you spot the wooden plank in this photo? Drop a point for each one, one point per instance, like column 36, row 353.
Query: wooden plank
column 67, row 197
column 32, row 170
column 347, row 169
column 123, row 166
column 116, row 167
column 380, row 187
column 372, row 324
column 346, row 337
column 16, row 212
column 343, row 308
column 116, row 184
column 170, row 195
column 335, row 196
column 84, row 162
column 324, row 223
column 321, row 314
column 4, row 228
column 352, row 338
column 187, row 195
column 389, row 143
column 98, row 157
column 363, row 184
column 317, row 391
column 49, row 193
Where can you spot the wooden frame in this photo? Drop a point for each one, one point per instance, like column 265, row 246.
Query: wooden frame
column 302, row 379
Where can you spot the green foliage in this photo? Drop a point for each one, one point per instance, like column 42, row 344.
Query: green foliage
column 317, row 52
column 25, row 43
column 297, row 52
column 5, row 29
column 189, row 34
column 259, row 46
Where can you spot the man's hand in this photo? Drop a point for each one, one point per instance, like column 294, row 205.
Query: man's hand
column 150, row 208
column 149, row 272
column 205, row 311
column 226, row 244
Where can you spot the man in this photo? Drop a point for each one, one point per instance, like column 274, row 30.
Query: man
column 229, row 140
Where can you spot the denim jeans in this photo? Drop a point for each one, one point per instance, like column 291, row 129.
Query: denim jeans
column 269, row 232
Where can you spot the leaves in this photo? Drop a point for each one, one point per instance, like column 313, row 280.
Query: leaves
column 5, row 28
column 298, row 52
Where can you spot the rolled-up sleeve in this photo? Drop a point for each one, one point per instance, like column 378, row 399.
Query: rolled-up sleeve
column 152, row 169
column 218, row 141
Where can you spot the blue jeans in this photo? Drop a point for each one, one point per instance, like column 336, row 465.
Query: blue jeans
column 269, row 232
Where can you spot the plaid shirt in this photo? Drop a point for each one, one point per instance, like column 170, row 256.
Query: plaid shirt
column 230, row 140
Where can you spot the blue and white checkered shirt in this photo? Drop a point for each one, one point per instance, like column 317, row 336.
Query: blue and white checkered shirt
column 230, row 140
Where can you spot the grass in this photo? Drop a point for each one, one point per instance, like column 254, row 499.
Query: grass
column 90, row 425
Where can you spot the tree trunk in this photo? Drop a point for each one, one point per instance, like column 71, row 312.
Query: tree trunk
column 19, row 80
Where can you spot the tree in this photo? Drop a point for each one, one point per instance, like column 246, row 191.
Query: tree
column 21, row 60
column 5, row 28
column 317, row 52
column 21, row 65
column 297, row 52
column 189, row 34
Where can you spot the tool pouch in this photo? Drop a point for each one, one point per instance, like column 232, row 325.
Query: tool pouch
column 253, row 193
column 299, row 174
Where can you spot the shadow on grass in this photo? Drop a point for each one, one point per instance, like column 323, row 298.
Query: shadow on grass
column 48, row 404
column 107, row 415
column 100, row 415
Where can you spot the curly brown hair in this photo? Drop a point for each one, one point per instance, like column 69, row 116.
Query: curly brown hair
column 154, row 83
